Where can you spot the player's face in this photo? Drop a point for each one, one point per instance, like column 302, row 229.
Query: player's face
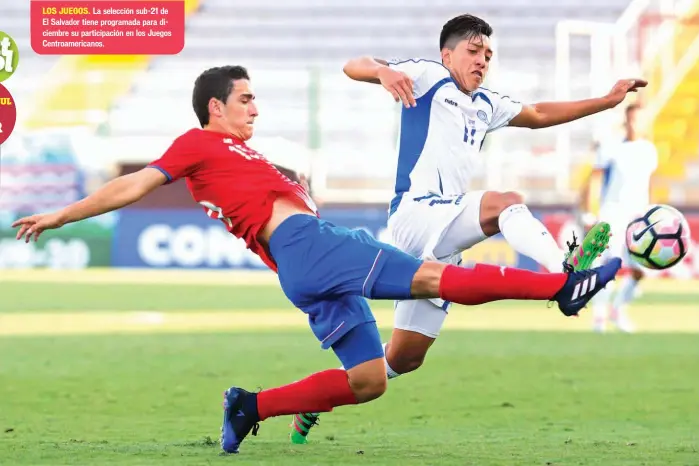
column 240, row 111
column 468, row 62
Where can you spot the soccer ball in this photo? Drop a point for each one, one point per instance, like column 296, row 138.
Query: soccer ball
column 659, row 239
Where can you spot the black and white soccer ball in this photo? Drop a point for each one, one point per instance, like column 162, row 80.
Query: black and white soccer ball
column 659, row 239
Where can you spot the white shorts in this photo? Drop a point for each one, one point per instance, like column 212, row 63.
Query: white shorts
column 433, row 227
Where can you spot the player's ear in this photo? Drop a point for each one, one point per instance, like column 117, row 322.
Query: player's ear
column 446, row 57
column 215, row 107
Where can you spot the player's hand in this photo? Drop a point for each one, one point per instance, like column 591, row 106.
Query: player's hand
column 399, row 85
column 36, row 224
column 623, row 87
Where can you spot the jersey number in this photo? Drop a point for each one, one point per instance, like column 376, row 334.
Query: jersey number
column 215, row 211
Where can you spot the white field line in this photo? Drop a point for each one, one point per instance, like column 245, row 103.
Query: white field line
column 231, row 277
column 648, row 318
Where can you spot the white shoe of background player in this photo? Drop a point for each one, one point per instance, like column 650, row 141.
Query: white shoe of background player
column 621, row 320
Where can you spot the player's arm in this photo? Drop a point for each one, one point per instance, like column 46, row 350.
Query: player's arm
column 545, row 114
column 178, row 161
column 377, row 71
column 365, row 69
column 115, row 194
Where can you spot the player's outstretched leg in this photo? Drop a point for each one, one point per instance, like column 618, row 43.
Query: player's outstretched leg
column 485, row 283
column 506, row 213
column 356, row 264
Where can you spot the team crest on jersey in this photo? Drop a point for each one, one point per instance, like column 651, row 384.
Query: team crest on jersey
column 482, row 116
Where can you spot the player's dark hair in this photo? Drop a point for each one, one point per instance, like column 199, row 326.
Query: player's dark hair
column 214, row 83
column 463, row 27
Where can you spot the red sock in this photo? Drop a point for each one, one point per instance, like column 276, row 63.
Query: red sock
column 318, row 393
column 486, row 283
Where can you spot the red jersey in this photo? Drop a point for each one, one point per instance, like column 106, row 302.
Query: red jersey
column 231, row 181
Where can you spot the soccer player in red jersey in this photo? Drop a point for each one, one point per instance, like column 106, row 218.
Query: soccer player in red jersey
column 327, row 271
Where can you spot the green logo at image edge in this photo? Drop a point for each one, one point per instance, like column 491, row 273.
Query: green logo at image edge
column 9, row 56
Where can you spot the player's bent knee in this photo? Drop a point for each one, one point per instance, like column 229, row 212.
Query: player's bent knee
column 368, row 380
column 425, row 283
column 511, row 198
column 404, row 363
column 370, row 391
column 492, row 205
column 407, row 350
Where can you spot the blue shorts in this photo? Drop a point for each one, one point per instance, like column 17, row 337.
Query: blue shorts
column 361, row 344
column 327, row 271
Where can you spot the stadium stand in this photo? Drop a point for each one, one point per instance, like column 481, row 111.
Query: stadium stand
column 295, row 52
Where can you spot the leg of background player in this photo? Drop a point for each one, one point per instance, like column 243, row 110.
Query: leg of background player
column 602, row 304
column 600, row 309
column 624, row 296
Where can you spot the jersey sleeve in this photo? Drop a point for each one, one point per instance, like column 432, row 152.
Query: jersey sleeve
column 504, row 109
column 424, row 73
column 178, row 161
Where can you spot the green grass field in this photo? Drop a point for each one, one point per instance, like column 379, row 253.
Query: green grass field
column 105, row 367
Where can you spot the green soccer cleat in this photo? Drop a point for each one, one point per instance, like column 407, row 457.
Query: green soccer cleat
column 300, row 426
column 581, row 257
